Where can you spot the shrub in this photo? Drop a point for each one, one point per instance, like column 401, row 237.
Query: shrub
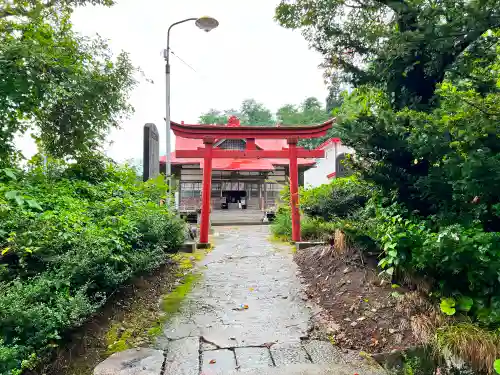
column 341, row 198
column 311, row 229
column 282, row 224
column 66, row 244
column 316, row 229
column 463, row 260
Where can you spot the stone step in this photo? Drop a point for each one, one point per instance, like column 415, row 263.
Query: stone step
column 182, row 357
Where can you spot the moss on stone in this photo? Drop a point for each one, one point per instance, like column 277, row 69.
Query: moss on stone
column 143, row 325
column 118, row 339
column 171, row 302
column 186, row 261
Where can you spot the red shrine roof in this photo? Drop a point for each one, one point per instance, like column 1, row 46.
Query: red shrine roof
column 234, row 164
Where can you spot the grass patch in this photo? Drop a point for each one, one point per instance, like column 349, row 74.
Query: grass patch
column 281, row 242
column 475, row 345
column 171, row 302
column 118, row 338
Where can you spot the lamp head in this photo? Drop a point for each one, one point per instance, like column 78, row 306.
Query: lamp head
column 207, row 23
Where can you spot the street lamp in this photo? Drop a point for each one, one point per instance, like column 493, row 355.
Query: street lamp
column 204, row 23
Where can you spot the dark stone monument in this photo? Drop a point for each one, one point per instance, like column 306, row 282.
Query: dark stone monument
column 151, row 159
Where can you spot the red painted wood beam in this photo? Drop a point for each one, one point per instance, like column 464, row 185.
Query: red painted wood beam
column 250, row 154
column 251, row 144
column 256, row 132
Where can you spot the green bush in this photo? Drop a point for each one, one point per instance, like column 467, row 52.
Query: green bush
column 311, row 229
column 462, row 260
column 324, row 209
column 281, row 227
column 341, row 198
column 316, row 229
column 66, row 244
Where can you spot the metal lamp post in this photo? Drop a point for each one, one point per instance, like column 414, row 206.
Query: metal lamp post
column 207, row 24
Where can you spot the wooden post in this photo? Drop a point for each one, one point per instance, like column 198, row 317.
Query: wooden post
column 294, row 190
column 265, row 193
column 261, row 204
column 206, row 191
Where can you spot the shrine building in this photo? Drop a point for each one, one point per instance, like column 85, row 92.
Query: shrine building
column 255, row 182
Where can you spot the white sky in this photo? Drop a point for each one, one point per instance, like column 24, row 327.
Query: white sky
column 248, row 56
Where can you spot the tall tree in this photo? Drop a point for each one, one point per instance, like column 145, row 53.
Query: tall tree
column 403, row 46
column 35, row 8
column 426, row 98
column 288, row 115
column 66, row 89
column 255, row 113
column 214, row 116
column 336, row 94
column 310, row 112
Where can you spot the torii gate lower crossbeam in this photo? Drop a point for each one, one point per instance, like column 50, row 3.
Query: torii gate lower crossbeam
column 211, row 133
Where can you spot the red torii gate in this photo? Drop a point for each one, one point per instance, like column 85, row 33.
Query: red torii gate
column 211, row 133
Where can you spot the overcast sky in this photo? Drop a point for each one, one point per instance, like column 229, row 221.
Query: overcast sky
column 248, row 56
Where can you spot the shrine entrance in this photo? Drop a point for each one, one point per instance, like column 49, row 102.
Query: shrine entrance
column 214, row 134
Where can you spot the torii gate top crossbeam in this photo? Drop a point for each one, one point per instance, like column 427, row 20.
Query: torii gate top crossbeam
column 249, row 132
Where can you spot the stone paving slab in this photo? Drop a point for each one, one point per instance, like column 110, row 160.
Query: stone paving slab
column 253, row 358
column 301, row 370
column 183, row 357
column 289, row 354
column 215, row 362
column 245, row 315
column 132, row 362
column 323, row 352
column 244, row 269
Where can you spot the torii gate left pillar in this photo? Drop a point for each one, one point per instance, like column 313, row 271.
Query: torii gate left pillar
column 206, row 191
column 210, row 133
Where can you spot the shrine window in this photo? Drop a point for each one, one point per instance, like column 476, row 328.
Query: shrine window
column 232, row 144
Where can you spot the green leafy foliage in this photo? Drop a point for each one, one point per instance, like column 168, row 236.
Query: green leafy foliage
column 311, row 229
column 404, row 47
column 341, row 198
column 70, row 234
column 67, row 250
column 496, row 366
column 67, row 90
column 448, row 306
column 423, row 120
column 310, row 112
column 465, row 303
column 323, row 209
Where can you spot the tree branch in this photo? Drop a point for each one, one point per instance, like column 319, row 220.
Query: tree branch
column 398, row 6
column 484, row 111
column 9, row 11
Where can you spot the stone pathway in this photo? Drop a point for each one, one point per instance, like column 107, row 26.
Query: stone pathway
column 245, row 315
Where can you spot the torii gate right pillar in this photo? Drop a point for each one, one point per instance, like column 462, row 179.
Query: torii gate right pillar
column 294, row 189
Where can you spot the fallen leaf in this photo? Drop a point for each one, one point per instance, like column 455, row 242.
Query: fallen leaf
column 245, row 307
column 212, row 361
column 250, row 289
